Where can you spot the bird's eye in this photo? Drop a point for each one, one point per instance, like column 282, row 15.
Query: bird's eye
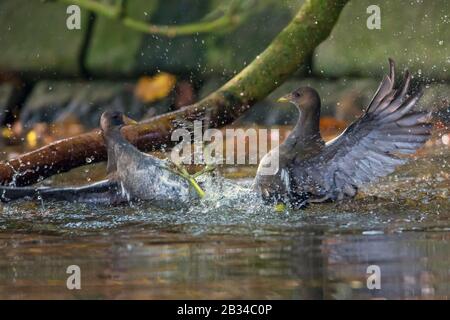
column 296, row 94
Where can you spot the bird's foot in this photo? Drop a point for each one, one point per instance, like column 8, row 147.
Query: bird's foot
column 182, row 172
column 279, row 207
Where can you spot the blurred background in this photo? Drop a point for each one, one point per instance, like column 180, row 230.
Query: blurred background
column 55, row 82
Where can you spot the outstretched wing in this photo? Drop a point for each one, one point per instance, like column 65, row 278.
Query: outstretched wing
column 369, row 148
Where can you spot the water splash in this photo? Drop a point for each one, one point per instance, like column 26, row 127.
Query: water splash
column 414, row 198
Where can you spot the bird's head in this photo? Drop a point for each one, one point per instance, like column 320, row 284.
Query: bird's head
column 114, row 119
column 305, row 98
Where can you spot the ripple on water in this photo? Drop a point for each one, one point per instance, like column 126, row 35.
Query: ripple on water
column 414, row 198
column 230, row 207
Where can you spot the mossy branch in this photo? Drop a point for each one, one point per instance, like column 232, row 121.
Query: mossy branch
column 229, row 18
column 287, row 52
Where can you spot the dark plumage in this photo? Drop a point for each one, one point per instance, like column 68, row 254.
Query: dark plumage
column 313, row 171
column 133, row 175
column 141, row 176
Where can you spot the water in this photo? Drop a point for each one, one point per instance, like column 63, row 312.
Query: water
column 231, row 246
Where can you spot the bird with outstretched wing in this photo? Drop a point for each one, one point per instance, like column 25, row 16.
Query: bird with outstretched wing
column 371, row 147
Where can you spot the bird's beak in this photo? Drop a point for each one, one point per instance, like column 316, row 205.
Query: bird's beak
column 283, row 99
column 128, row 121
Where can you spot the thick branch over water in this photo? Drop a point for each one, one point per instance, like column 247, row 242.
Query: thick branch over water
column 287, row 52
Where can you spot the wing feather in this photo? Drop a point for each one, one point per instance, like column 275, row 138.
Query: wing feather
column 369, row 148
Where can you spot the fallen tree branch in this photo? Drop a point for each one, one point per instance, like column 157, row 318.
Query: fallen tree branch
column 287, row 52
column 227, row 19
